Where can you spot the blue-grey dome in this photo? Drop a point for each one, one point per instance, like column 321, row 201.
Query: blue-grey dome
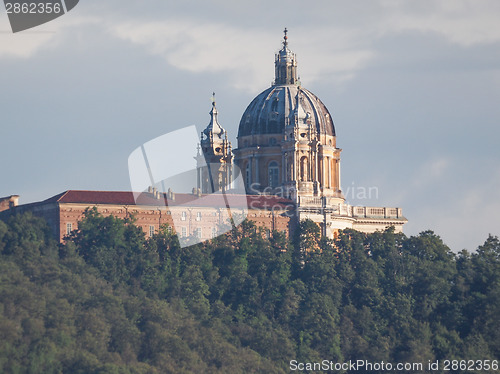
column 281, row 105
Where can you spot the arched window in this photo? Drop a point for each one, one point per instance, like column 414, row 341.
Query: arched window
column 274, row 173
column 304, row 174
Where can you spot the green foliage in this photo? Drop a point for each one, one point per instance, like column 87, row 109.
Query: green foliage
column 111, row 301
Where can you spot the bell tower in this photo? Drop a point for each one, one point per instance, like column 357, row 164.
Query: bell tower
column 215, row 156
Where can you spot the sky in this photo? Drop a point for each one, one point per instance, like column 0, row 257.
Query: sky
column 413, row 88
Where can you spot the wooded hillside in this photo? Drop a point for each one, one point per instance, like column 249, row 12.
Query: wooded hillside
column 112, row 301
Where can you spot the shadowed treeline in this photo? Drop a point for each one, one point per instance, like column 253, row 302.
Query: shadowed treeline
column 112, row 301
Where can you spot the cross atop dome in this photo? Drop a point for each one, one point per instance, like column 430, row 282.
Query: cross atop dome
column 214, row 129
column 285, row 38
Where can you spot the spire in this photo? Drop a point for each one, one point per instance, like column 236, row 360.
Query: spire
column 214, row 128
column 285, row 38
column 215, row 161
column 285, row 64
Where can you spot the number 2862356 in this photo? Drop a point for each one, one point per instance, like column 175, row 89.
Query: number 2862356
column 33, row 8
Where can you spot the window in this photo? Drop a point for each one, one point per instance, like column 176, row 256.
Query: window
column 183, row 216
column 198, row 216
column 169, row 229
column 198, row 232
column 304, row 172
column 69, row 228
column 151, row 230
column 214, row 232
column 273, row 174
column 183, row 232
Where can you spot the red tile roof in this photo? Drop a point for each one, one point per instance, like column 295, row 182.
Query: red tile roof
column 148, row 199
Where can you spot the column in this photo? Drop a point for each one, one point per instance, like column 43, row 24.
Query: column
column 256, row 158
column 283, row 168
column 328, row 172
column 338, row 174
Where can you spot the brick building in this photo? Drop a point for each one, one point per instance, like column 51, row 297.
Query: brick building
column 194, row 215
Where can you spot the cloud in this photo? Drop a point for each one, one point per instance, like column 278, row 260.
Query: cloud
column 473, row 215
column 437, row 167
column 26, row 44
column 23, row 45
column 337, row 51
column 429, row 175
column 201, row 47
column 463, row 22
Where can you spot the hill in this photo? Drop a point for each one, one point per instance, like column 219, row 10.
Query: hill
column 112, row 301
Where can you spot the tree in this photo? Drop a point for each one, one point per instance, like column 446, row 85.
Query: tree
column 115, row 247
column 110, row 301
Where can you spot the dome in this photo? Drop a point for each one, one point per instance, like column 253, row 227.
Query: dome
column 286, row 139
column 285, row 103
column 282, row 105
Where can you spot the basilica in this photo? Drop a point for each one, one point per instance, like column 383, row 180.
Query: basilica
column 286, row 159
column 287, row 147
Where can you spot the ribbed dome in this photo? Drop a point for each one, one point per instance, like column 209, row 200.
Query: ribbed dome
column 281, row 105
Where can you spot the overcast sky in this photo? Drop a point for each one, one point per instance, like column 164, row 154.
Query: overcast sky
column 413, row 88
